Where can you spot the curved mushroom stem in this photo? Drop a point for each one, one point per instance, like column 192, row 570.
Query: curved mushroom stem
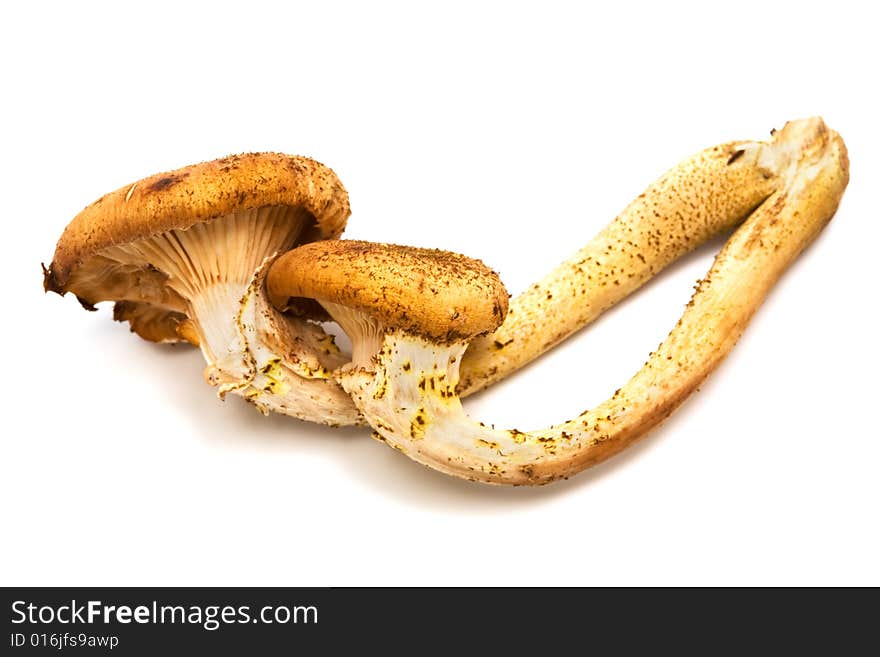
column 408, row 392
column 702, row 197
column 290, row 362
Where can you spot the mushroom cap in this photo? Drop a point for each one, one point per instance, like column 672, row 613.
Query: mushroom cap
column 197, row 194
column 436, row 294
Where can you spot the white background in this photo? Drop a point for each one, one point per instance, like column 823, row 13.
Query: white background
column 508, row 132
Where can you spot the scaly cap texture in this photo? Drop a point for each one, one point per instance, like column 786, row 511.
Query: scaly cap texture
column 196, row 194
column 437, row 294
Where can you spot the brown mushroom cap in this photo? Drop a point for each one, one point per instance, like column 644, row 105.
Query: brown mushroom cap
column 196, row 194
column 439, row 295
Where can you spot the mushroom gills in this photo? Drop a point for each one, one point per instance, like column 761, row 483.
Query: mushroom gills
column 365, row 333
column 207, row 269
column 154, row 323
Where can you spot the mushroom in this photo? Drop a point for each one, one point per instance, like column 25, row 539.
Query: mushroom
column 410, row 313
column 700, row 197
column 183, row 254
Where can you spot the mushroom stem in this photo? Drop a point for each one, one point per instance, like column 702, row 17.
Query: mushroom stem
column 290, row 362
column 702, row 197
column 408, row 395
column 213, row 311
